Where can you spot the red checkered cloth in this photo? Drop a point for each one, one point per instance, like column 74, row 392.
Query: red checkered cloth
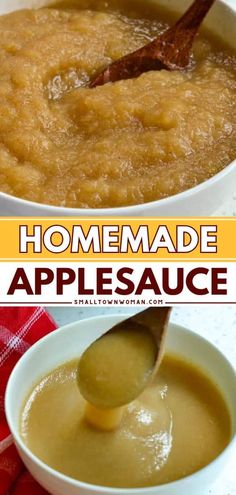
column 19, row 329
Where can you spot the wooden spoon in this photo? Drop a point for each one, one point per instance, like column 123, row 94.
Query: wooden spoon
column 106, row 382
column 171, row 50
column 156, row 321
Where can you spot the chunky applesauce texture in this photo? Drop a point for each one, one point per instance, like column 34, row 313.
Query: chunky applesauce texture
column 126, row 143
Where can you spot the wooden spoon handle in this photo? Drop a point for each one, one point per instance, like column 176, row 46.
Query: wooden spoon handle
column 169, row 51
column 156, row 320
column 175, row 44
column 194, row 16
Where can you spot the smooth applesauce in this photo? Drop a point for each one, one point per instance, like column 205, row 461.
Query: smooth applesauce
column 121, row 144
column 179, row 424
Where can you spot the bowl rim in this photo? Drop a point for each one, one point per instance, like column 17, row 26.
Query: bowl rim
column 121, row 210
column 132, row 209
column 96, row 489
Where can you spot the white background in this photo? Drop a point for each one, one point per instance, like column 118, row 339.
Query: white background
column 216, row 323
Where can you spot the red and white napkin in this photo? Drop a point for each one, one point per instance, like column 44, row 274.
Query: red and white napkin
column 19, row 329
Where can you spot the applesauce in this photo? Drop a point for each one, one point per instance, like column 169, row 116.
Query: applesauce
column 131, row 142
column 161, row 438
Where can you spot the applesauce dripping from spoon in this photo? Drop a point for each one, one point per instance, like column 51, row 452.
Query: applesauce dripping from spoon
column 117, row 367
column 171, row 50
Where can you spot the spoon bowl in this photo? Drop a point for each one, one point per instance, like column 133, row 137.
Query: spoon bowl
column 117, row 367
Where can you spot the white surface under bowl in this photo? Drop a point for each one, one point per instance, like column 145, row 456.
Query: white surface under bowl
column 203, row 199
column 68, row 343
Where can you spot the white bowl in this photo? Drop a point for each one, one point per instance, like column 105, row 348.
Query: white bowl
column 68, row 343
column 203, row 199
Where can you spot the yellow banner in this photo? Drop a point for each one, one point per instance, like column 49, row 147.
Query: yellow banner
column 91, row 239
